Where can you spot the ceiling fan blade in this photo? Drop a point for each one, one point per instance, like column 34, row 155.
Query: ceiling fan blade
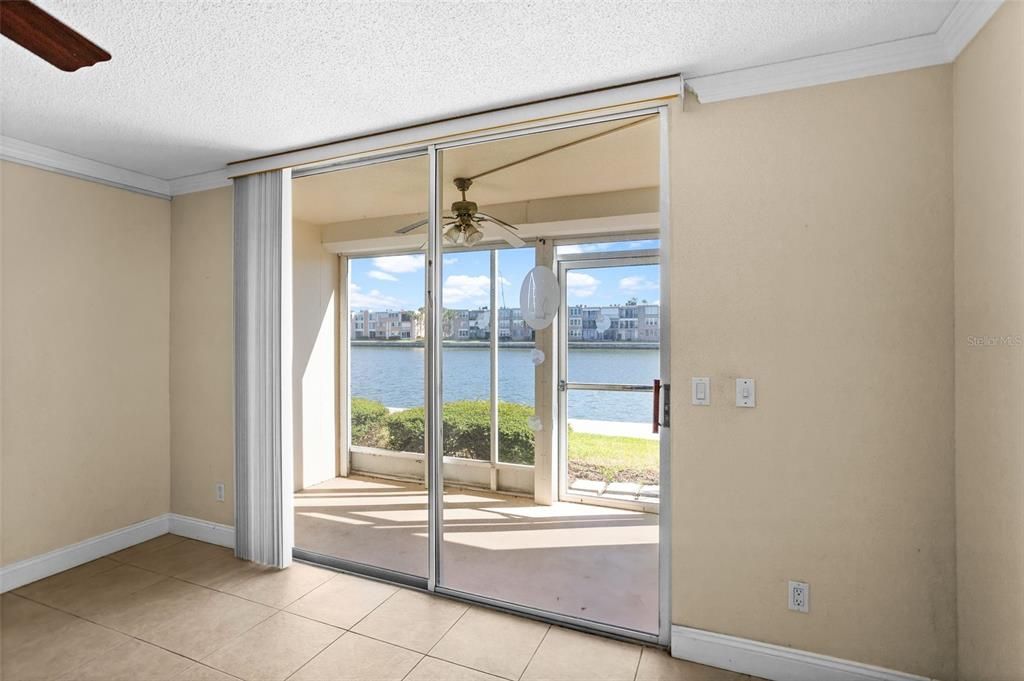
column 506, row 230
column 496, row 221
column 507, row 235
column 47, row 37
column 415, row 225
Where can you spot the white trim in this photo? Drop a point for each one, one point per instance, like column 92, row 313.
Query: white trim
column 199, row 182
column 45, row 158
column 774, row 662
column 963, row 23
column 941, row 47
column 26, row 153
column 202, row 530
column 456, row 126
column 37, row 567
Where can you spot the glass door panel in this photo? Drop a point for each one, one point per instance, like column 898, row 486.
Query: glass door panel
column 368, row 510
column 506, row 536
column 612, row 357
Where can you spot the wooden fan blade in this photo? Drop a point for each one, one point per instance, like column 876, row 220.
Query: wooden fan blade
column 47, row 37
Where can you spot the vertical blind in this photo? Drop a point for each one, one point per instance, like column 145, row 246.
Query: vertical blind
column 263, row 368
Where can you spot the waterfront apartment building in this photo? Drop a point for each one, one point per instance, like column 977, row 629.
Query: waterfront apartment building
column 387, row 325
column 639, row 322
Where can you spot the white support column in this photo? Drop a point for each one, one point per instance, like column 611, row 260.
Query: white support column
column 495, row 337
column 545, row 457
column 264, row 524
column 344, row 369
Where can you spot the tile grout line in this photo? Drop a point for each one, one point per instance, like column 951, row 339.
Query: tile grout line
column 398, row 590
column 639, row 659
column 349, row 631
column 530, row 661
column 452, row 626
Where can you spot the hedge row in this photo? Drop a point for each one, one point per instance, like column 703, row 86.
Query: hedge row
column 466, row 429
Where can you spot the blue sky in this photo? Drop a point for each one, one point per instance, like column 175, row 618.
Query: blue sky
column 396, row 282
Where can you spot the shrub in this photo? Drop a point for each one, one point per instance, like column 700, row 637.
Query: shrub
column 466, row 432
column 405, row 430
column 515, row 439
column 369, row 423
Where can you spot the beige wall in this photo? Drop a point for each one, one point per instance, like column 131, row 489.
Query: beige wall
column 813, row 251
column 315, row 373
column 202, row 355
column 85, row 345
column 989, row 177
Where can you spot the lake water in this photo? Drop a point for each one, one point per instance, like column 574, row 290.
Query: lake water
column 394, row 376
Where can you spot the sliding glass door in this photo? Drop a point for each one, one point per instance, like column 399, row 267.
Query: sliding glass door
column 469, row 438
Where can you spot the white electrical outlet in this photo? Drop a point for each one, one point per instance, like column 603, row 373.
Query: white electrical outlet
column 220, row 491
column 799, row 596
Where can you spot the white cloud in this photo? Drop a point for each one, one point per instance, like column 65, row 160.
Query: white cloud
column 633, row 284
column 399, row 264
column 450, row 261
column 464, row 290
column 381, row 276
column 374, row 300
column 582, row 285
column 575, row 248
column 607, row 246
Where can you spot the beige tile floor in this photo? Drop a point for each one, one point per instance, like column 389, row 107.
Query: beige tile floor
column 598, row 563
column 174, row 609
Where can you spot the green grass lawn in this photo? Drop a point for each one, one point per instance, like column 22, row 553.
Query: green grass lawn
column 612, row 458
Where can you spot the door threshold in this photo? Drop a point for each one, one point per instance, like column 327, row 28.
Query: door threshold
column 609, row 502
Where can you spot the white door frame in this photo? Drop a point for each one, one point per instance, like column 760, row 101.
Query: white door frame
column 566, row 264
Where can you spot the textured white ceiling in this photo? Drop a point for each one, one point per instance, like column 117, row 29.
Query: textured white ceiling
column 193, row 85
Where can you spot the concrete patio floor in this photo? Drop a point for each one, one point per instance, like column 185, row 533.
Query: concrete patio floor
column 574, row 559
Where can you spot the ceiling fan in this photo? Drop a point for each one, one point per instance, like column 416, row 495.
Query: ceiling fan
column 464, row 224
column 47, row 37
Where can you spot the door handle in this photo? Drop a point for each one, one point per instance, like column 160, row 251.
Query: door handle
column 655, row 421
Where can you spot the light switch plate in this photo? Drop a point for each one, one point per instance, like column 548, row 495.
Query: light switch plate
column 701, row 390
column 746, row 392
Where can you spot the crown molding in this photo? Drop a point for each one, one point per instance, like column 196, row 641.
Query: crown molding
column 45, row 158
column 963, row 23
column 26, row 153
column 200, row 182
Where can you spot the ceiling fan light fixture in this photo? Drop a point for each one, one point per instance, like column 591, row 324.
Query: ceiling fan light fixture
column 473, row 236
column 453, row 235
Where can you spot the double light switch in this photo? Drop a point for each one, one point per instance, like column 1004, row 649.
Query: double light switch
column 746, row 391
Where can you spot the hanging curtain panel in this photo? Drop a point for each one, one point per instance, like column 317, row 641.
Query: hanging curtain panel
column 263, row 365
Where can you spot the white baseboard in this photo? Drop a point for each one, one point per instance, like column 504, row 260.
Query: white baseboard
column 202, row 530
column 769, row 661
column 37, row 567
